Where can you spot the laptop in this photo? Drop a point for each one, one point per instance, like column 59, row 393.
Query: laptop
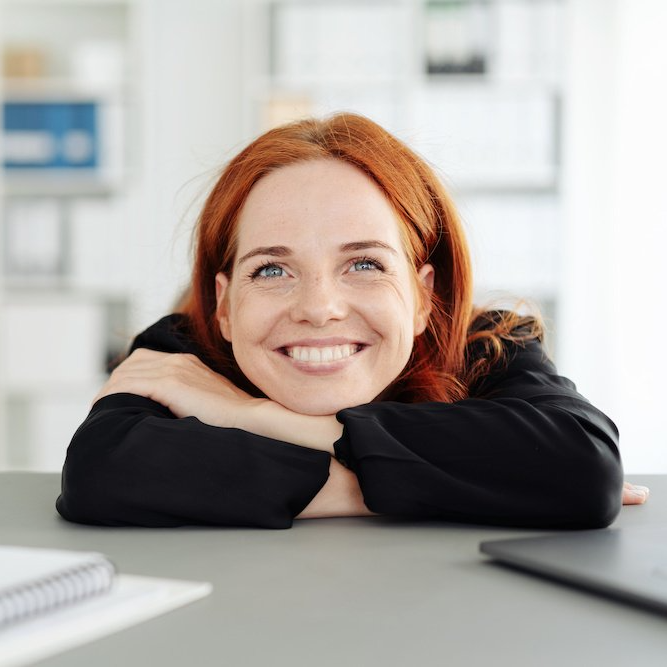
column 629, row 564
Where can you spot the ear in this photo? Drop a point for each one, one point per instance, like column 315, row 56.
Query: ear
column 222, row 306
column 425, row 280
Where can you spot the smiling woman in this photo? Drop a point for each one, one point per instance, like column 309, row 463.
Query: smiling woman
column 329, row 362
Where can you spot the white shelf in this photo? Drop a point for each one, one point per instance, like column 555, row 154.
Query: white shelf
column 59, row 88
column 317, row 83
column 61, row 182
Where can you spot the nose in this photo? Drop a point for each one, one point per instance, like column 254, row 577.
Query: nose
column 317, row 301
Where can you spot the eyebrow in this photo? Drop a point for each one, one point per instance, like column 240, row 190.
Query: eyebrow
column 272, row 250
column 365, row 245
column 284, row 251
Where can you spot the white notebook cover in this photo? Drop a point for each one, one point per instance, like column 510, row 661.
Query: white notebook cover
column 132, row 600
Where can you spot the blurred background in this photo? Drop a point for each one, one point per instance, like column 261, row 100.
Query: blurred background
column 546, row 119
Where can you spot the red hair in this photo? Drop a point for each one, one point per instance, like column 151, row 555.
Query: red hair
column 431, row 232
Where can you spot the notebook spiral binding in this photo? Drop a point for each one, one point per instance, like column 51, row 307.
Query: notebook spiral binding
column 42, row 595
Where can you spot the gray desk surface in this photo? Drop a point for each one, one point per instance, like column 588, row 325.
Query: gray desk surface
column 355, row 592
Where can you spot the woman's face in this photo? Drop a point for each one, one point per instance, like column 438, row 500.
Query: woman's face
column 322, row 307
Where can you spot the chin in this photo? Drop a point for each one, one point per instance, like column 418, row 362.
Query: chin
column 317, row 408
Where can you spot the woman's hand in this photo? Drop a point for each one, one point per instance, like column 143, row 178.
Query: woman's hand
column 189, row 388
column 182, row 383
column 634, row 495
column 340, row 496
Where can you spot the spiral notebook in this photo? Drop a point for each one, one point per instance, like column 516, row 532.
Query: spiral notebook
column 52, row 600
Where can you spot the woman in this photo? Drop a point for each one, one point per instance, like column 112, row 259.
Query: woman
column 328, row 362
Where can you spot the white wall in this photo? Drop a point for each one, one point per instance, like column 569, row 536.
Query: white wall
column 612, row 313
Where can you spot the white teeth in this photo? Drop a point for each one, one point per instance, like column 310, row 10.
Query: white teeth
column 320, row 355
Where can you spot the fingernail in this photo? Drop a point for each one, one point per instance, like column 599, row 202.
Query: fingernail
column 638, row 493
column 638, row 487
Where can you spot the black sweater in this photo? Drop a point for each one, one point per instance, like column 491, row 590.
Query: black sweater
column 525, row 450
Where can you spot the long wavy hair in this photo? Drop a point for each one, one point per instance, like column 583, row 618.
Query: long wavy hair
column 440, row 367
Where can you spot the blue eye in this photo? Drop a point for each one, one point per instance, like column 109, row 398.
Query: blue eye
column 365, row 265
column 270, row 271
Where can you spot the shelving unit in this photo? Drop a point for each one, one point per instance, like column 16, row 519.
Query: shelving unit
column 474, row 85
column 112, row 245
column 64, row 92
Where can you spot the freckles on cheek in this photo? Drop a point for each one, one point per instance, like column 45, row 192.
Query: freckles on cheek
column 254, row 313
column 389, row 304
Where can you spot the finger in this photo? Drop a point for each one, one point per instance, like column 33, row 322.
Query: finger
column 148, row 362
column 159, row 378
column 143, row 358
column 634, row 494
column 145, row 353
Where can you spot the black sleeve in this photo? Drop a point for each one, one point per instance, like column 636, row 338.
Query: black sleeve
column 132, row 462
column 530, row 452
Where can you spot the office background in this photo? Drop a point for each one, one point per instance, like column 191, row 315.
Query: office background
column 544, row 117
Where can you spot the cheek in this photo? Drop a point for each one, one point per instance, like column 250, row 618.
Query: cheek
column 251, row 319
column 393, row 311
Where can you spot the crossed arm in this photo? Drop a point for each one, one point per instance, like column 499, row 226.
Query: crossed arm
column 187, row 387
column 182, row 383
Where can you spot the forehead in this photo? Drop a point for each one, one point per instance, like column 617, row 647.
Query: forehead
column 324, row 200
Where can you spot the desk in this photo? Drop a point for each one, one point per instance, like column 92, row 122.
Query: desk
column 360, row 592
